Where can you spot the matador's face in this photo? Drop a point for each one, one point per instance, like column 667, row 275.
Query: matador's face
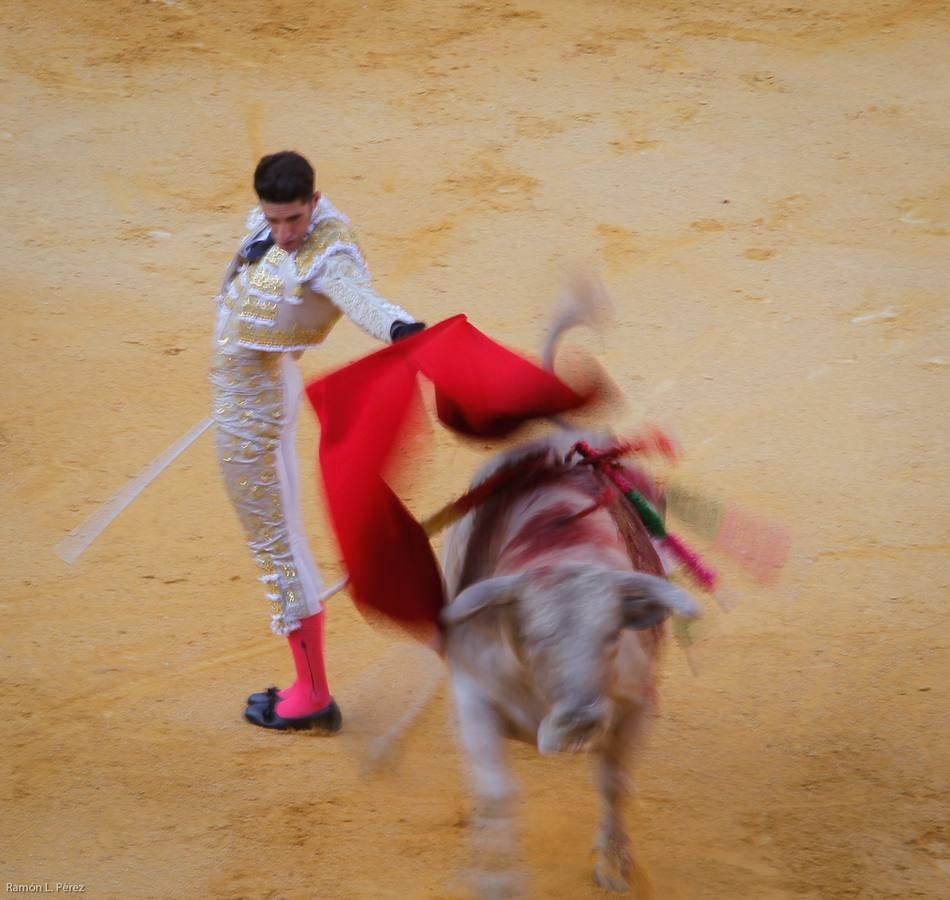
column 289, row 221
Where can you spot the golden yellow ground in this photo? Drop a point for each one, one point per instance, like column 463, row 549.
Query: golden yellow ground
column 765, row 189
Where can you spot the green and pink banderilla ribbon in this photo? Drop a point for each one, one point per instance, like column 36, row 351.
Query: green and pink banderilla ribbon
column 606, row 463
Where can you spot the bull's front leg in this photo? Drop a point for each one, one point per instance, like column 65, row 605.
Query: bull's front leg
column 481, row 732
column 613, row 861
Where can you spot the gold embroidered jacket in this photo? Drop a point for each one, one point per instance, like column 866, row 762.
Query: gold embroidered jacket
column 287, row 302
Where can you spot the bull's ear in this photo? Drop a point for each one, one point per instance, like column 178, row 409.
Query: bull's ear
column 648, row 600
column 491, row 592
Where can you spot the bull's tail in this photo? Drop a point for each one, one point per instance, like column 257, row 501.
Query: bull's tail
column 585, row 303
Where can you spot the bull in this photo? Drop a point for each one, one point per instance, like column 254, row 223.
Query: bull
column 556, row 601
column 551, row 639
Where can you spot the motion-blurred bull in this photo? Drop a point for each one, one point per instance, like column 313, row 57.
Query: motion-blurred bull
column 551, row 638
column 556, row 602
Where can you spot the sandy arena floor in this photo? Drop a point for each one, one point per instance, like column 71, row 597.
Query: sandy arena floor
column 764, row 188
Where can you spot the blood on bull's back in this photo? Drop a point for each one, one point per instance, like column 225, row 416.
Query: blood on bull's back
column 563, row 519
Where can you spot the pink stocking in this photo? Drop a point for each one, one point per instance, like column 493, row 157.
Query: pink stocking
column 310, row 692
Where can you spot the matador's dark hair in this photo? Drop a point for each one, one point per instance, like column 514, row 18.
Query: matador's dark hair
column 283, row 178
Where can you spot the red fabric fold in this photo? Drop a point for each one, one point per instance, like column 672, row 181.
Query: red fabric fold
column 482, row 389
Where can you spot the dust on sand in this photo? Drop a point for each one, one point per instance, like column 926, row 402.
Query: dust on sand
column 764, row 187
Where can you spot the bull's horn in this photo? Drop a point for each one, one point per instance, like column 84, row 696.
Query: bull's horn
column 491, row 592
column 649, row 599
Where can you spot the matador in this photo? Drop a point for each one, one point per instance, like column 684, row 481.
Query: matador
column 297, row 271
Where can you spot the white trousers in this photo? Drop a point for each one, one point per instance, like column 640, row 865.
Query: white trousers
column 256, row 400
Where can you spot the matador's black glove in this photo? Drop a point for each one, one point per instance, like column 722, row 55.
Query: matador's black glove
column 402, row 329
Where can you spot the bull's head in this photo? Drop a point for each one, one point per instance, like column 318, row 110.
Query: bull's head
column 568, row 621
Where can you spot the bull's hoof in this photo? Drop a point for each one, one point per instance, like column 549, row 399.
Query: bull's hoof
column 613, row 864
column 497, row 885
column 618, row 873
column 611, row 873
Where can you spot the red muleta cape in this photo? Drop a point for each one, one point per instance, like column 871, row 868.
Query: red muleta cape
column 482, row 389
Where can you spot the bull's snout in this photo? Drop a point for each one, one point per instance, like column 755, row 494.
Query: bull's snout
column 574, row 728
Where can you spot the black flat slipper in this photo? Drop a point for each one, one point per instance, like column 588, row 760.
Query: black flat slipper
column 262, row 696
column 328, row 720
